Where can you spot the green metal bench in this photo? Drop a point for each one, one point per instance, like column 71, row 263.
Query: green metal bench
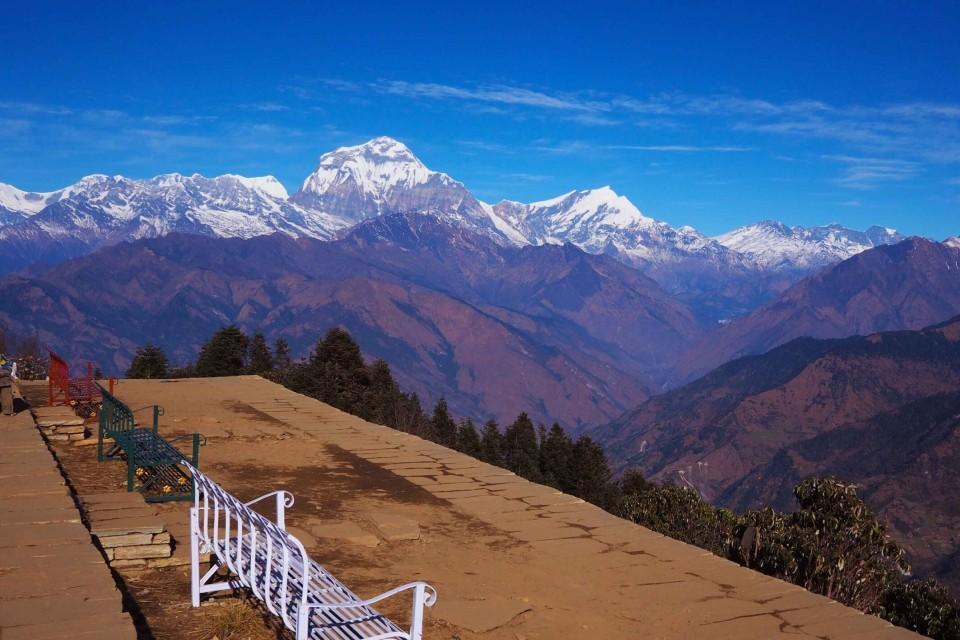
column 152, row 460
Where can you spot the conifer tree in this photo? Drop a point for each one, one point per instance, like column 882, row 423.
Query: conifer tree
column 468, row 440
column 520, row 451
column 261, row 360
column 281, row 355
column 149, row 362
column 556, row 450
column 224, row 354
column 590, row 473
column 491, row 444
column 443, row 427
column 337, row 374
column 383, row 395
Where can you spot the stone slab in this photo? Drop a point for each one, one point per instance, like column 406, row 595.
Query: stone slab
column 127, row 540
column 90, row 627
column 52, row 534
column 394, row 527
column 142, row 552
column 349, row 532
column 121, row 526
column 481, row 616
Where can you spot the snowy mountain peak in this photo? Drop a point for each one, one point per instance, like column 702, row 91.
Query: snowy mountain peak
column 267, row 184
column 373, row 168
column 953, row 242
column 774, row 245
column 383, row 176
column 19, row 202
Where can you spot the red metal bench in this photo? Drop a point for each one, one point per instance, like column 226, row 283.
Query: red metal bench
column 82, row 393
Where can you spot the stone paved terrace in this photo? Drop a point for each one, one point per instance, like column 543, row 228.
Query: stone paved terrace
column 53, row 580
column 511, row 560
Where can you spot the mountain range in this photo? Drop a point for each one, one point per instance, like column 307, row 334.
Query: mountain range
column 881, row 410
column 583, row 337
column 718, row 277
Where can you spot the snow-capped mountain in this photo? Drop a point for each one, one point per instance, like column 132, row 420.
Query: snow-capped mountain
column 773, row 245
column 601, row 221
column 99, row 209
column 953, row 242
column 17, row 205
column 383, row 176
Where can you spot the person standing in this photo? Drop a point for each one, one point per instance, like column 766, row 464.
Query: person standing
column 7, row 379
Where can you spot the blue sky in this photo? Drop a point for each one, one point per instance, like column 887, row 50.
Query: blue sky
column 702, row 114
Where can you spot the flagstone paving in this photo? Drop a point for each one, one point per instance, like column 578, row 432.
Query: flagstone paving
column 54, row 582
column 509, row 558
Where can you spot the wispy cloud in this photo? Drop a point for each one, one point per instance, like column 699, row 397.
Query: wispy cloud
column 501, row 94
column 868, row 173
column 33, row 108
column 678, row 148
column 917, row 131
column 266, row 107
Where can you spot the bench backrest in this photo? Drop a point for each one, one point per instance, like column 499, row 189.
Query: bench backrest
column 63, row 389
column 269, row 561
column 115, row 416
column 58, row 376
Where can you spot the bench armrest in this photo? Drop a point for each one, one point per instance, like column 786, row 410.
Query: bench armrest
column 284, row 501
column 149, row 406
column 202, row 438
column 429, row 592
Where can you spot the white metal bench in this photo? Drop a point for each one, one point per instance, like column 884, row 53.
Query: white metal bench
column 273, row 565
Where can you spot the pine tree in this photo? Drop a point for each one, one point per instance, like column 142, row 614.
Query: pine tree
column 338, row 374
column 281, row 355
column 491, row 444
column 520, row 451
column 224, row 354
column 591, row 473
column 443, row 427
column 383, row 395
column 556, row 451
column 148, row 362
column 261, row 361
column 468, row 440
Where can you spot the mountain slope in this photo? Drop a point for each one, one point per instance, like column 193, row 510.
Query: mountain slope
column 581, row 336
column 881, row 410
column 904, row 286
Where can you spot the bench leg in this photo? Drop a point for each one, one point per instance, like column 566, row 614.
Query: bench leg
column 194, row 558
column 131, row 469
column 419, row 600
column 99, row 443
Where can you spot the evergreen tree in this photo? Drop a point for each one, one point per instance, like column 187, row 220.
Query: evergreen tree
column 443, row 427
column 468, row 440
column 224, row 354
column 520, row 451
column 383, row 395
column 556, row 450
column 148, row 362
column 281, row 355
column 261, row 361
column 491, row 444
column 591, row 473
column 337, row 373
